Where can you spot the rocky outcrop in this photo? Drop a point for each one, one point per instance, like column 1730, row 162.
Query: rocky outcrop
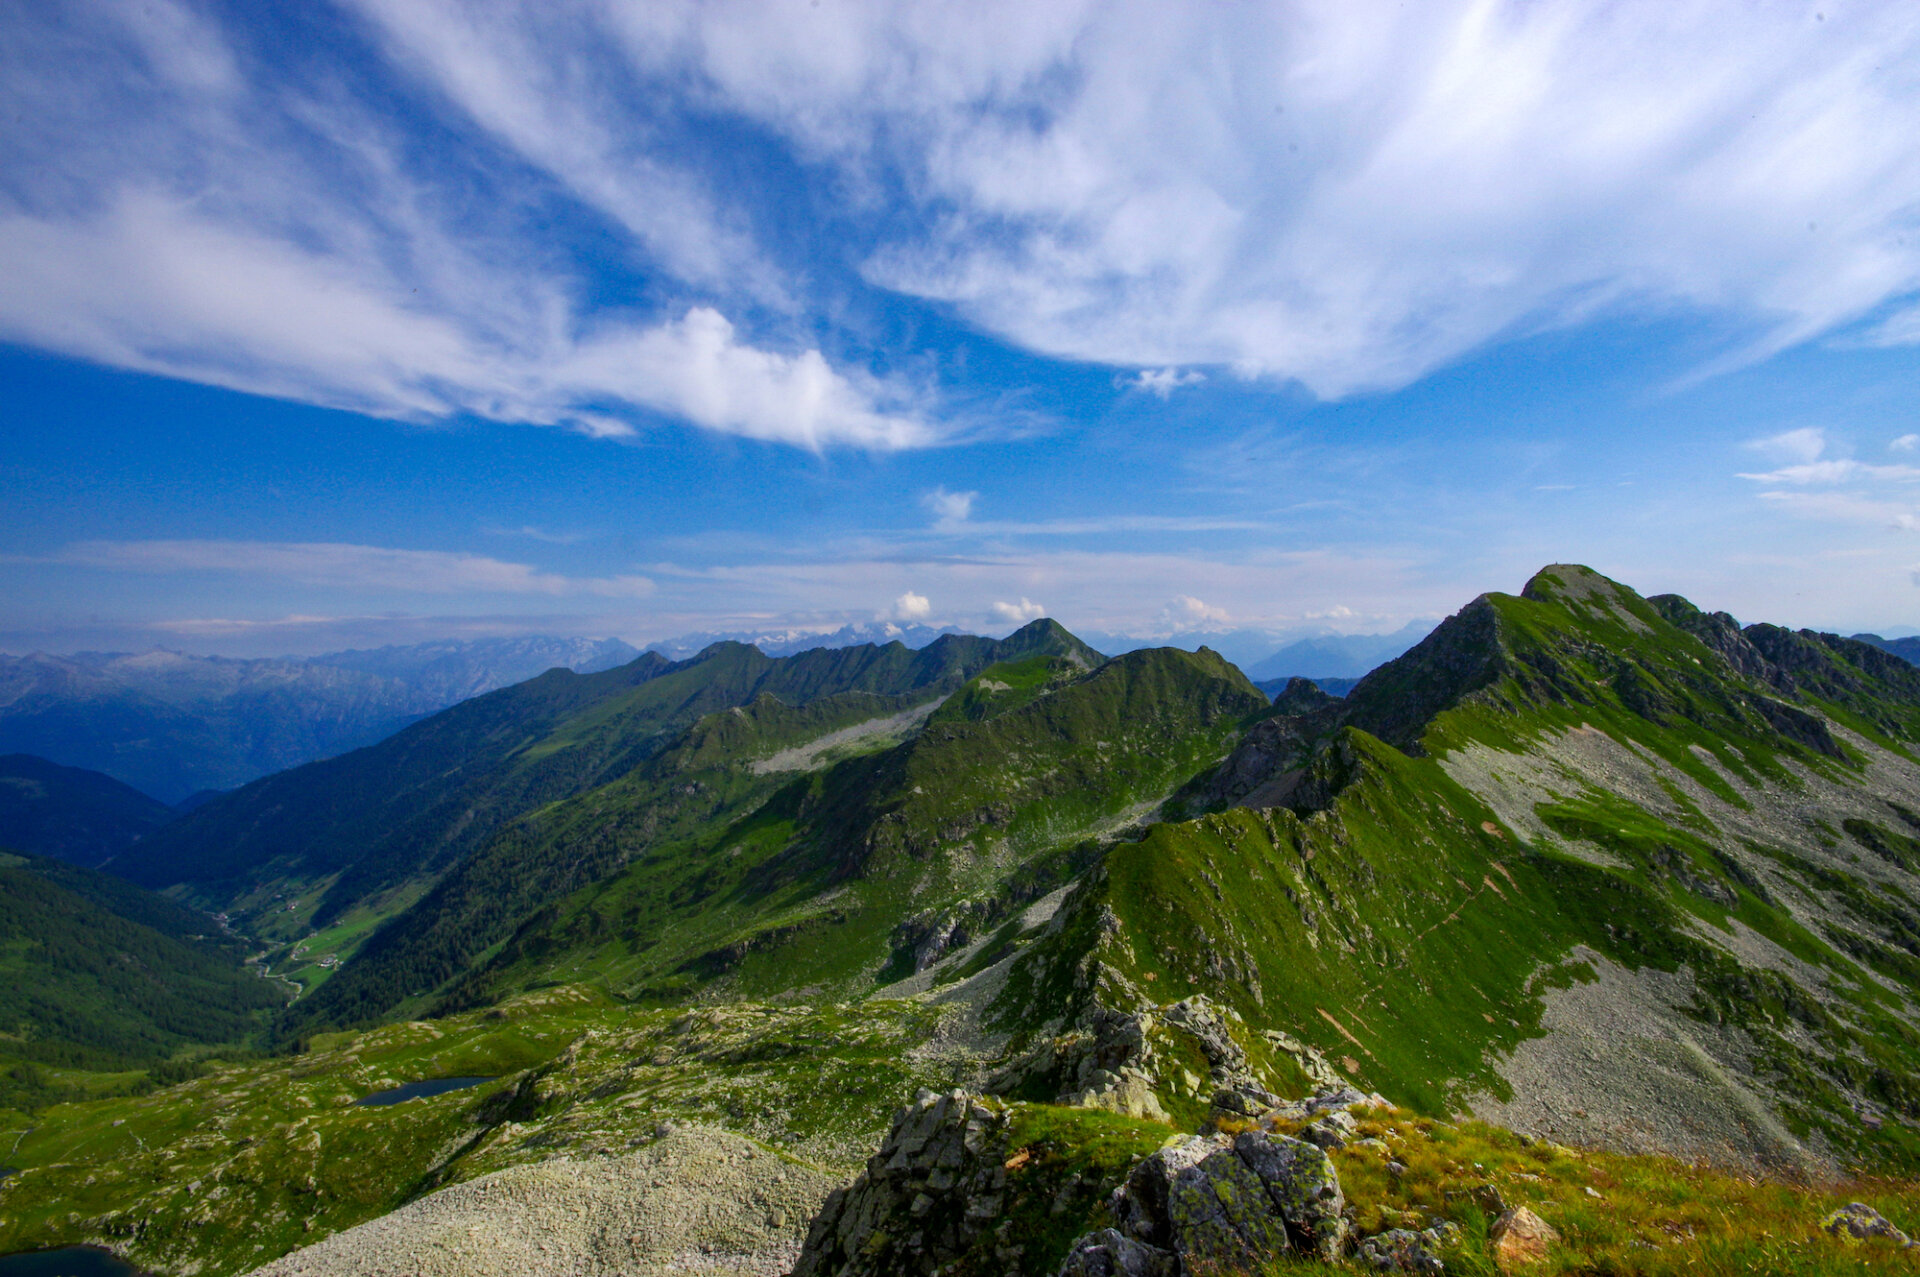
column 1127, row 1061
column 933, row 1193
column 1210, row 1203
column 1302, row 696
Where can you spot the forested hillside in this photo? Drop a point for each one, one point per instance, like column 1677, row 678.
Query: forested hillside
column 72, row 813
column 98, row 974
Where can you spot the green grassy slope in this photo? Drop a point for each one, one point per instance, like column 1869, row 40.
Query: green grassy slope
column 833, row 881
column 671, row 796
column 333, row 840
column 229, row 1170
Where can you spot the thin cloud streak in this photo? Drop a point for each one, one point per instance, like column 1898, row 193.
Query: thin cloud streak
column 333, row 565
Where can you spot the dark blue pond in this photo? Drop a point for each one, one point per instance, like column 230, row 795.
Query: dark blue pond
column 416, row 1090
column 71, row 1261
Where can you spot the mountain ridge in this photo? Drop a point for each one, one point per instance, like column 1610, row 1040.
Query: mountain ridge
column 72, row 813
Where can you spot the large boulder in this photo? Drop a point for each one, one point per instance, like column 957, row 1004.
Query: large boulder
column 1858, row 1222
column 931, row 1193
column 1208, row 1203
column 1520, row 1237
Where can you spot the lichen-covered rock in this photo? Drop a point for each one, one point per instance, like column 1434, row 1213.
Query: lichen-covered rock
column 1304, row 1187
column 1520, row 1237
column 1858, row 1221
column 932, row 1191
column 1221, row 1216
column 1111, row 1253
column 1215, row 1203
column 1401, row 1250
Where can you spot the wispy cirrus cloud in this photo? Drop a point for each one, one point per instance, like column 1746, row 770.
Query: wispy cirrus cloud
column 337, row 565
column 1835, row 489
column 950, row 509
column 182, row 206
column 1103, row 182
column 153, row 284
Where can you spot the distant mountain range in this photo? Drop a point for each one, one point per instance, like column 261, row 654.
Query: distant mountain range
column 173, row 725
column 787, row 640
column 1907, row 649
column 452, row 670
column 1263, row 654
column 1339, row 656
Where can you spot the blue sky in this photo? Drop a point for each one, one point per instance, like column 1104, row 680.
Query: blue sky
column 340, row 324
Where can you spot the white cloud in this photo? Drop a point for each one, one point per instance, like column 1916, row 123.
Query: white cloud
column 364, row 567
column 694, row 368
column 1018, row 613
column 1905, row 443
column 1350, row 195
column 1802, row 445
column 1185, row 612
column 1835, row 470
column 1164, row 381
column 540, row 79
column 155, row 286
column 950, row 509
column 1806, row 449
column 912, row 607
column 1339, row 612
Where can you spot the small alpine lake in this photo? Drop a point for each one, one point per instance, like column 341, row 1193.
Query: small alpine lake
column 411, row 1091
column 68, row 1261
